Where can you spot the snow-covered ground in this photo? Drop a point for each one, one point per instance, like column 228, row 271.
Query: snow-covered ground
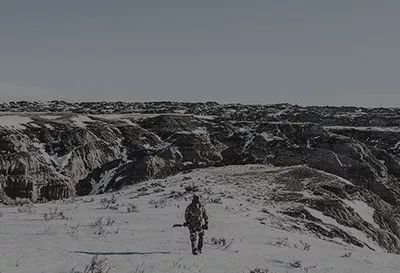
column 144, row 241
column 14, row 122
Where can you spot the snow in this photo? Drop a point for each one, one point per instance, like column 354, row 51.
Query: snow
column 14, row 122
column 34, row 125
column 337, row 177
column 104, row 181
column 160, row 146
column 128, row 121
column 80, row 120
column 204, row 117
column 42, row 150
column 145, row 240
column 337, row 159
column 268, row 137
column 278, row 114
column 48, row 126
column 63, row 161
column 50, row 117
column 363, row 210
column 200, row 131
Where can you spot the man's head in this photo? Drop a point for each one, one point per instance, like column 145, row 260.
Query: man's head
column 196, row 199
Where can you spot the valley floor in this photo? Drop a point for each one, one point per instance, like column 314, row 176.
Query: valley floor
column 253, row 233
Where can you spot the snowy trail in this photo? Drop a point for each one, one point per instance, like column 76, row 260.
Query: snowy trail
column 146, row 240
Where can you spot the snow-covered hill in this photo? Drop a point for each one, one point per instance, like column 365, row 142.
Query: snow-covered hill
column 250, row 228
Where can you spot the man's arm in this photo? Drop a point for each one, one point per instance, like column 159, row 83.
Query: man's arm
column 205, row 217
column 187, row 215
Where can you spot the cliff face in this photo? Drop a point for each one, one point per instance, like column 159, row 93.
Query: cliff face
column 52, row 153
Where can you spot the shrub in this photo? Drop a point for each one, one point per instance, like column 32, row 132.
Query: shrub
column 139, row 269
column 191, row 188
column 158, row 190
column 281, row 242
column 158, row 203
column 22, row 201
column 110, row 222
column 216, row 200
column 347, row 254
column 265, row 210
column 54, row 214
column 109, row 203
column 260, row 270
column 97, row 265
column 91, row 200
column 28, row 208
column 132, row 208
column 296, row 264
column 305, row 246
column 99, row 225
column 74, row 230
column 48, row 231
column 222, row 242
column 218, row 241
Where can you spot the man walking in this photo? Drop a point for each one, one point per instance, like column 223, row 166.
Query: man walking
column 197, row 221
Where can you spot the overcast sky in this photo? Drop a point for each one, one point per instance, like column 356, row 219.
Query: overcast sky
column 258, row 51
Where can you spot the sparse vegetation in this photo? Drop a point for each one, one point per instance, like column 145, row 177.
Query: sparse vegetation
column 91, row 200
column 27, row 208
column 295, row 264
column 132, row 208
column 176, row 195
column 283, row 241
column 97, row 265
column 216, row 201
column 109, row 222
column 162, row 203
column 222, row 242
column 48, row 231
column 218, row 241
column 22, row 201
column 305, row 246
column 139, row 268
column 177, row 264
column 74, row 230
column 109, row 203
column 191, row 188
column 347, row 254
column 97, row 223
column 143, row 191
column 265, row 210
column 158, row 190
column 54, row 214
column 99, row 226
column 260, row 270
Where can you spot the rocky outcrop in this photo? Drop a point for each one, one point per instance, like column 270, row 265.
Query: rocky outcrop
column 341, row 207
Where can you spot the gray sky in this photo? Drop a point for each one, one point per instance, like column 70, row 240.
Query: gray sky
column 257, row 51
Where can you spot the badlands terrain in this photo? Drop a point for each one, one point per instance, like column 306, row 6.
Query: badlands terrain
column 288, row 188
